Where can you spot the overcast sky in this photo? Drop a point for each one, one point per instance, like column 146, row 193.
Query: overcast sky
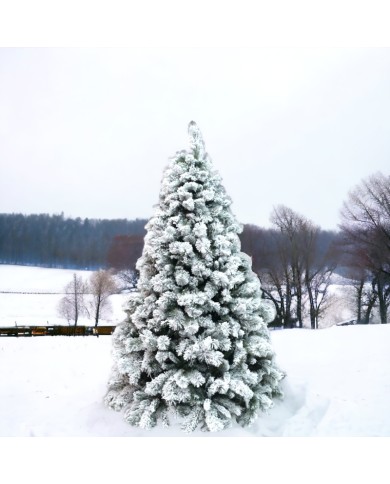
column 89, row 132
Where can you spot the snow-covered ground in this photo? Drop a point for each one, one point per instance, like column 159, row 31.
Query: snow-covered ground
column 30, row 296
column 36, row 279
column 338, row 379
column 337, row 384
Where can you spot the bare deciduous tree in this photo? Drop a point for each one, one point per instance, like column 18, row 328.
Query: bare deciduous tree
column 278, row 279
column 295, row 262
column 366, row 231
column 363, row 288
column 269, row 261
column 72, row 305
column 307, row 266
column 101, row 286
column 319, row 263
column 290, row 226
column 128, row 279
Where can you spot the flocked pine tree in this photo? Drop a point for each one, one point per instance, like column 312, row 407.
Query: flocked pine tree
column 195, row 342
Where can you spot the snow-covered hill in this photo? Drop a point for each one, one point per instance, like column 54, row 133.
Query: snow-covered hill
column 337, row 384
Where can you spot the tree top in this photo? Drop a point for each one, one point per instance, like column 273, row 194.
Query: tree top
column 196, row 140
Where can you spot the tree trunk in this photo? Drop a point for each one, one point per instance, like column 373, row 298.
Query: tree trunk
column 367, row 314
column 359, row 297
column 382, row 310
column 288, row 318
column 298, row 284
column 97, row 316
column 299, row 307
column 382, row 302
column 97, row 312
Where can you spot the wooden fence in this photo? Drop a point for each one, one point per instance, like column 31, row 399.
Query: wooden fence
column 56, row 331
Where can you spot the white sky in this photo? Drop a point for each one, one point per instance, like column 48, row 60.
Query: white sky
column 89, row 131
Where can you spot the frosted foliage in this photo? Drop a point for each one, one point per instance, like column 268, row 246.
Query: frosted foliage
column 195, row 343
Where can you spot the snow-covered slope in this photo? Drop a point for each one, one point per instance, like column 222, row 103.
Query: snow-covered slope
column 338, row 384
column 36, row 279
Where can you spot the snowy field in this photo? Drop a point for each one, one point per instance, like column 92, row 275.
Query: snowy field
column 40, row 306
column 338, row 379
column 338, row 384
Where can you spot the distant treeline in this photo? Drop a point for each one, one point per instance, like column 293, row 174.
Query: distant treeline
column 56, row 241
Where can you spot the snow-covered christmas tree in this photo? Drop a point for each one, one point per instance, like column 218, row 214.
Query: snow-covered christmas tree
column 195, row 343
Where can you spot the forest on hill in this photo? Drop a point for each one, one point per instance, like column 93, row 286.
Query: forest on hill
column 44, row 240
